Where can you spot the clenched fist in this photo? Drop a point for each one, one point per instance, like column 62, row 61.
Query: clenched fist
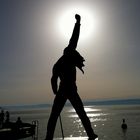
column 78, row 17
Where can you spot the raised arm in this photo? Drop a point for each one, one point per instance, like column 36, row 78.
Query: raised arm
column 75, row 35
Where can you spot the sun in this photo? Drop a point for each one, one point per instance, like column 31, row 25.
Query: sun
column 67, row 20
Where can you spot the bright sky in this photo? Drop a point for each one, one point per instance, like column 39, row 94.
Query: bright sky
column 33, row 35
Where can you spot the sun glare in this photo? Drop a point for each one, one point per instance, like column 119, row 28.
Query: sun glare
column 67, row 20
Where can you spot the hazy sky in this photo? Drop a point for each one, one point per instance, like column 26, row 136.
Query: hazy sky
column 31, row 41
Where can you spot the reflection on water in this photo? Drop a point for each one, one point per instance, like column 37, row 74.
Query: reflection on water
column 75, row 138
column 87, row 109
column 95, row 115
column 89, row 115
column 105, row 120
column 91, row 112
column 97, row 119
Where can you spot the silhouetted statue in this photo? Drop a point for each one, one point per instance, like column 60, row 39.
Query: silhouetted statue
column 124, row 125
column 65, row 69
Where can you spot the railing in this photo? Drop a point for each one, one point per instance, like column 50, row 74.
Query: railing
column 15, row 131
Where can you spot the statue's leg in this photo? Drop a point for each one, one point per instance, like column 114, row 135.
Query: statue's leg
column 78, row 106
column 58, row 105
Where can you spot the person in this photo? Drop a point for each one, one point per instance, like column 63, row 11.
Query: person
column 65, row 70
column 7, row 120
column 7, row 114
column 124, row 125
column 2, row 118
column 19, row 122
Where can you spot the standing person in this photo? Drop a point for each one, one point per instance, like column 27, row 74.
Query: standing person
column 7, row 114
column 124, row 125
column 65, row 69
column 2, row 118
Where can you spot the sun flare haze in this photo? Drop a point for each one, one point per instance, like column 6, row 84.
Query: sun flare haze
column 65, row 22
column 34, row 33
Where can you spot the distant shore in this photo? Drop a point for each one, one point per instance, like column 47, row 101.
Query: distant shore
column 86, row 103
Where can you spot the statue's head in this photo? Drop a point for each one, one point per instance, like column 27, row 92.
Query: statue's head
column 74, row 58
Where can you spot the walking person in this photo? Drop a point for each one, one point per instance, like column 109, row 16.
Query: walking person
column 65, row 70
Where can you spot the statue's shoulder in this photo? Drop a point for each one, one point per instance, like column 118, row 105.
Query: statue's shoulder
column 59, row 63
